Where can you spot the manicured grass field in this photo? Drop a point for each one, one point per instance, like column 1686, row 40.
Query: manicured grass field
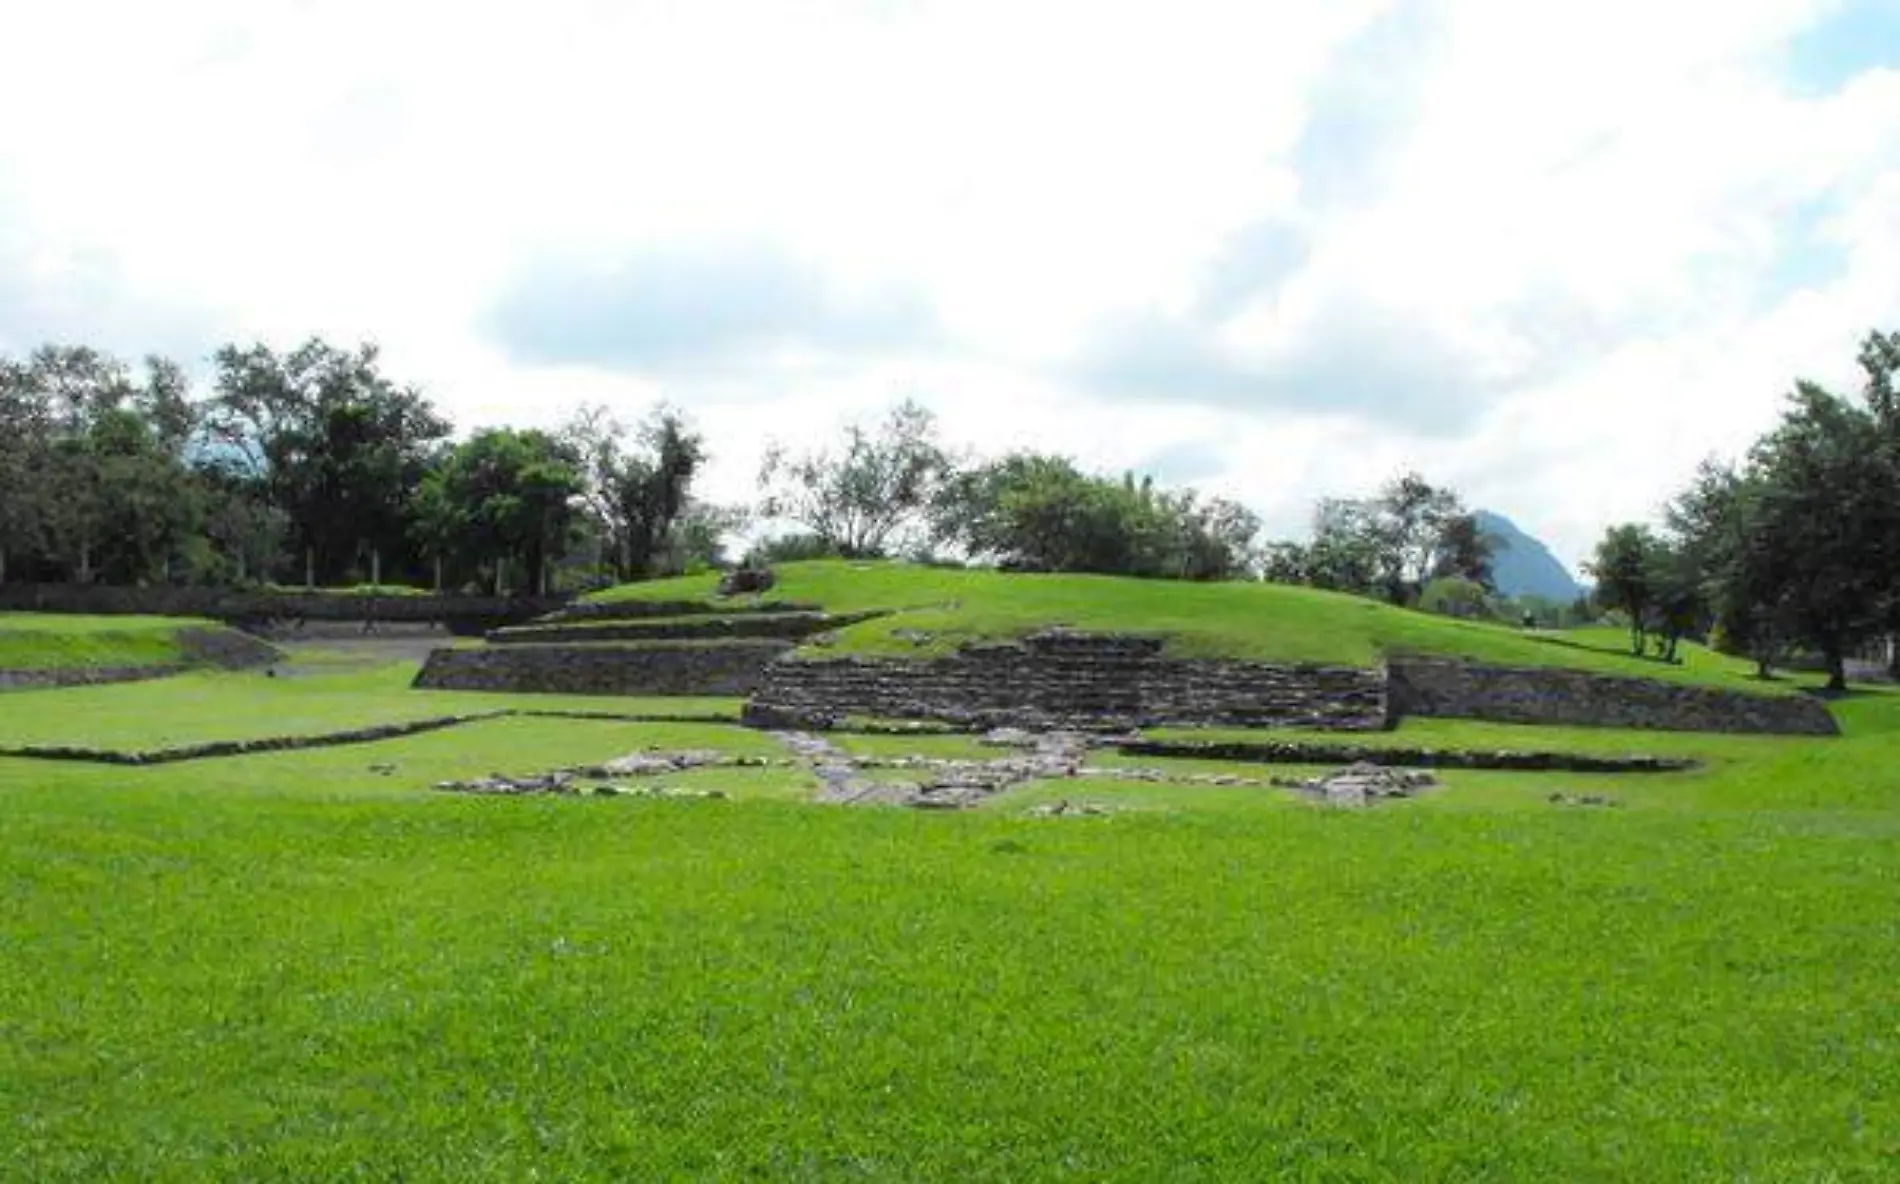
column 248, row 706
column 289, row 966
column 45, row 641
column 1237, row 620
column 312, row 965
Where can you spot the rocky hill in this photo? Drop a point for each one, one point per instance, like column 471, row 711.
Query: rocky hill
column 1524, row 566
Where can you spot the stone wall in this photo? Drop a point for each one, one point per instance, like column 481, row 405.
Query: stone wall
column 637, row 610
column 1072, row 680
column 226, row 649
column 727, row 668
column 225, row 604
column 782, row 626
column 1541, row 695
column 223, row 649
column 83, row 676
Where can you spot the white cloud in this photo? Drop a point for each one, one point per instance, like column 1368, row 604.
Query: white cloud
column 1552, row 253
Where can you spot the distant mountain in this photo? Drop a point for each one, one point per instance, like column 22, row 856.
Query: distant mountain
column 1522, row 566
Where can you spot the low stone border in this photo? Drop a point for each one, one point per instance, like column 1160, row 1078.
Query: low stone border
column 789, row 626
column 724, row 668
column 1299, row 752
column 212, row 749
column 84, row 676
column 214, row 649
column 640, row 610
column 625, row 717
column 222, row 748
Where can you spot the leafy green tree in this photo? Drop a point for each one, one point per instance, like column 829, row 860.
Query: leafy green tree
column 641, row 490
column 697, row 540
column 1218, row 538
column 1039, row 512
column 1463, row 551
column 1880, row 364
column 331, row 441
column 1390, row 545
column 1284, row 561
column 862, row 498
column 1411, row 519
column 1677, row 591
column 1711, row 527
column 1823, row 520
column 25, row 450
column 245, row 531
column 93, row 472
column 503, row 501
column 1350, row 551
column 1455, row 596
column 1624, row 567
column 796, row 547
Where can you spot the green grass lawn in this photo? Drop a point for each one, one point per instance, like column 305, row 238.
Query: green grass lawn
column 1238, row 620
column 245, row 706
column 47, row 641
column 311, row 965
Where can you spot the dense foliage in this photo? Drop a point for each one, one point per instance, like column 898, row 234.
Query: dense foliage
column 1796, row 547
column 1392, row 545
column 313, row 467
column 898, row 490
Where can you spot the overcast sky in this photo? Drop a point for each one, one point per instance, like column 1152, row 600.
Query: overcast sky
column 1550, row 253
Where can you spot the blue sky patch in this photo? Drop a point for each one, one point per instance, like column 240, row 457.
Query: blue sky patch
column 1858, row 36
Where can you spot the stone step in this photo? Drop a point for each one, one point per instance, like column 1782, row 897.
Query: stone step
column 637, row 610
column 789, row 626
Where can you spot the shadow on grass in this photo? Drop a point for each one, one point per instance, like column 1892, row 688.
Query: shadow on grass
column 1771, row 677
column 1617, row 651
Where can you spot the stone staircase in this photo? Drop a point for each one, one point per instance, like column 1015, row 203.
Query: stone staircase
column 784, row 626
column 1061, row 679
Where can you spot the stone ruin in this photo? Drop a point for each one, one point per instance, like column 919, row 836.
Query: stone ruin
column 1361, row 785
column 936, row 783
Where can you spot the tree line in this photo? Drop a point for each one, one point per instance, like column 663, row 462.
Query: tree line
column 312, row 466
column 895, row 489
column 1792, row 548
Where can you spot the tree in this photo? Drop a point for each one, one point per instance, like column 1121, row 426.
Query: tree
column 1880, row 363
column 25, row 450
column 1413, row 517
column 1285, row 562
column 697, row 541
column 638, row 493
column 503, row 501
column 1455, row 596
column 1624, row 567
column 1711, row 530
column 1823, row 517
column 331, row 442
column 1679, row 601
column 1463, row 551
column 861, row 498
column 1039, row 512
column 93, row 477
column 1390, row 545
column 1350, row 549
column 1219, row 539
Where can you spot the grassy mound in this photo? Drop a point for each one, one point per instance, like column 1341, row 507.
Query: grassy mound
column 934, row 609
column 48, row 641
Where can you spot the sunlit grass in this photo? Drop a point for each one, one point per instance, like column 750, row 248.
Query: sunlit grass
column 942, row 607
column 313, row 965
column 47, row 641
